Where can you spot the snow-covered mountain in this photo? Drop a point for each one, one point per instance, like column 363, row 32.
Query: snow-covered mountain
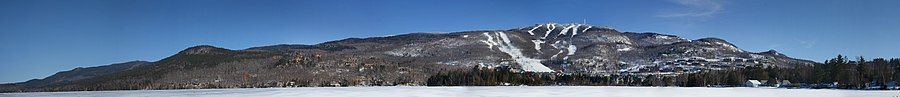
column 567, row 48
column 411, row 58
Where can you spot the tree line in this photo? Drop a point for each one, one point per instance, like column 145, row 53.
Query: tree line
column 840, row 72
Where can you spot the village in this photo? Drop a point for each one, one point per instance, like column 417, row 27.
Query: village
column 834, row 85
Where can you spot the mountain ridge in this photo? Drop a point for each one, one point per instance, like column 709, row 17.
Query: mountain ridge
column 411, row 58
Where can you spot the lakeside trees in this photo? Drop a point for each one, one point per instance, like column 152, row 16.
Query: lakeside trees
column 840, row 72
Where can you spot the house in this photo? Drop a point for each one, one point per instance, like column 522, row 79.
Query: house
column 834, row 85
column 752, row 83
column 874, row 85
column 892, row 85
column 785, row 83
column 765, row 83
column 775, row 83
column 826, row 85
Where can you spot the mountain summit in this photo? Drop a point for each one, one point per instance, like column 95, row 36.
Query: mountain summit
column 411, row 58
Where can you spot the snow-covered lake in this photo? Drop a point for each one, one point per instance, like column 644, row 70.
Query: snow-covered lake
column 491, row 91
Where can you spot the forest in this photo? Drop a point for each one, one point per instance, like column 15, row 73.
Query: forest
column 837, row 73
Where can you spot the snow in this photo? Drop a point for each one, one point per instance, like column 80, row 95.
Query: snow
column 617, row 38
column 757, row 56
column 528, row 64
column 537, row 44
column 554, row 55
column 624, row 49
column 663, row 37
column 532, row 29
column 572, row 49
column 406, row 52
column 575, row 30
column 729, row 47
column 565, row 30
column 550, row 28
column 490, row 41
column 505, row 39
column 585, row 29
column 471, row 91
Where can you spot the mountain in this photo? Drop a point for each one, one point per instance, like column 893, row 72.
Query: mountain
column 84, row 73
column 81, row 73
column 410, row 59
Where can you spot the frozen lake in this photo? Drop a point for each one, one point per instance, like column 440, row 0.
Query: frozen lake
column 490, row 91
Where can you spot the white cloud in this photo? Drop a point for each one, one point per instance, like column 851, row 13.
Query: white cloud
column 695, row 8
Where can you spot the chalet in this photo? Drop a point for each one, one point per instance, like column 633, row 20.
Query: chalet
column 892, row 85
column 752, row 83
column 874, row 85
column 764, row 83
column 785, row 83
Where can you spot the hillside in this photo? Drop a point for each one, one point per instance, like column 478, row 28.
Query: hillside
column 410, row 59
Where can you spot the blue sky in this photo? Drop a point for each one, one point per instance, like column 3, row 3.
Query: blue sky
column 42, row 37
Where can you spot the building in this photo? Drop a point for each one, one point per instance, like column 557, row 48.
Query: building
column 874, row 85
column 892, row 85
column 752, row 83
column 785, row 83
